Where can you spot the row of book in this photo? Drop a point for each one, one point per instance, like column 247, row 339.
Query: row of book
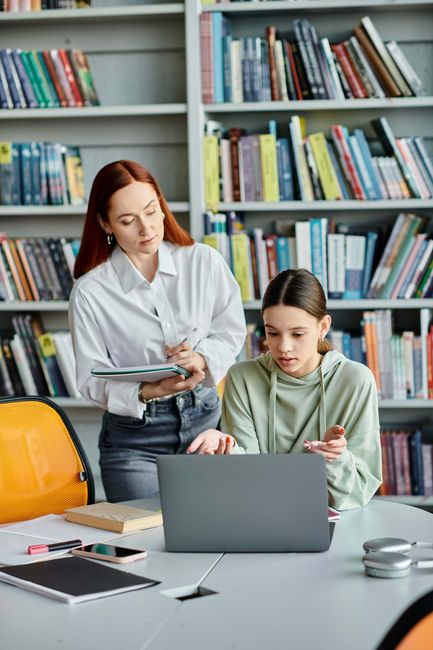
column 302, row 66
column 407, row 463
column 45, row 79
column 35, row 362
column 40, row 173
column 266, row 167
column 351, row 261
column 36, row 268
column 41, row 5
column 402, row 364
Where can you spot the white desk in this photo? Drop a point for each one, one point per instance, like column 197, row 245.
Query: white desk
column 304, row 601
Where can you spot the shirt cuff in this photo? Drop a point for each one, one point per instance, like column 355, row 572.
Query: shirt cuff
column 123, row 400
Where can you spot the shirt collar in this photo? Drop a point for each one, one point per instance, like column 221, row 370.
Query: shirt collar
column 130, row 277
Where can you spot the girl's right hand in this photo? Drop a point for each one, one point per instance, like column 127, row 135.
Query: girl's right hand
column 173, row 385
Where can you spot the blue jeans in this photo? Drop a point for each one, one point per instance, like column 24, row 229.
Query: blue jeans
column 129, row 446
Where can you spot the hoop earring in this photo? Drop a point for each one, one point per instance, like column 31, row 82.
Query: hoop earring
column 110, row 239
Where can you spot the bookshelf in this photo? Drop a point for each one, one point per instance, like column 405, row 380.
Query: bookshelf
column 130, row 49
column 410, row 22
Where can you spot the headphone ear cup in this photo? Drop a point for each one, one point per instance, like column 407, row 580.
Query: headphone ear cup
column 389, row 544
column 381, row 564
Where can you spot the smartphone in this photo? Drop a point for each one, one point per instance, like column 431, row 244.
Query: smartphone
column 110, row 553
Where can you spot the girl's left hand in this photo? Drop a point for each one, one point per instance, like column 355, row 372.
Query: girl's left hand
column 333, row 445
column 184, row 355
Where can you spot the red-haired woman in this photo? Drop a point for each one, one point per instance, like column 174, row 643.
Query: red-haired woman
column 145, row 293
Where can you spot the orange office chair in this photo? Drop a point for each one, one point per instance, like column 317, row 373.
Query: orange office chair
column 414, row 629
column 43, row 467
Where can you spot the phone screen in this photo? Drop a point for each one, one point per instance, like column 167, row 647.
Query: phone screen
column 109, row 550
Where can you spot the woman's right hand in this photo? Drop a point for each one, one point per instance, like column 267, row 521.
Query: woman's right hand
column 212, row 442
column 173, row 385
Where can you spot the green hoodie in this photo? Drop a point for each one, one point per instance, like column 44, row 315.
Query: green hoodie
column 268, row 411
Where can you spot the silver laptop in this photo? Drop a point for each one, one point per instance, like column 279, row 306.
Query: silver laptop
column 252, row 503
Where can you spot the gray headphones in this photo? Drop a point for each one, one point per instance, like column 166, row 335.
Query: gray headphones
column 385, row 557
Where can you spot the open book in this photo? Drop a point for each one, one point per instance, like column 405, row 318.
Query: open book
column 73, row 579
column 142, row 373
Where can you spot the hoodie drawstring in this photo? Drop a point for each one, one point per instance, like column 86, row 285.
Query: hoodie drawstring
column 271, row 420
column 322, row 406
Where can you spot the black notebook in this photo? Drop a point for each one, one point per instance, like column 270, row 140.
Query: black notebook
column 73, row 579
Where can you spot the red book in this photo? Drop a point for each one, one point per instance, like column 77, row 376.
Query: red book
column 79, row 100
column 294, row 71
column 271, row 254
column 346, row 159
column 353, row 80
column 56, row 83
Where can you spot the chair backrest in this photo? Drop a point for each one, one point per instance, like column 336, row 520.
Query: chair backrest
column 414, row 629
column 43, row 467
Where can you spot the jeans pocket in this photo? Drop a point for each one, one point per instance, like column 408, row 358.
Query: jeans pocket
column 207, row 399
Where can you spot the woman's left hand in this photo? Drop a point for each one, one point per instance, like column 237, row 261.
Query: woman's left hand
column 212, row 442
column 184, row 355
column 333, row 445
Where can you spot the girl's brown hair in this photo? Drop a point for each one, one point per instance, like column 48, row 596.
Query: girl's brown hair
column 95, row 248
column 298, row 288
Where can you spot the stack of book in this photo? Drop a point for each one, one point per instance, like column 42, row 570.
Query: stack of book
column 35, row 362
column 45, row 79
column 40, row 173
column 351, row 261
column 36, row 268
column 301, row 66
column 270, row 168
column 40, row 5
column 406, row 464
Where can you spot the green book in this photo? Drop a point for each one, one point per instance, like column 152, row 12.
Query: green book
column 48, row 81
column 43, row 84
column 28, row 63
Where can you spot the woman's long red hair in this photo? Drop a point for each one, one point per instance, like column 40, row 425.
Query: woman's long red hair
column 95, row 248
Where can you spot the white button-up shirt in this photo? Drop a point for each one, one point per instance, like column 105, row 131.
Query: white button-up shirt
column 118, row 318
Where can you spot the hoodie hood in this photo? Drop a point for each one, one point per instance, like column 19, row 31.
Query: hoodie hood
column 284, row 385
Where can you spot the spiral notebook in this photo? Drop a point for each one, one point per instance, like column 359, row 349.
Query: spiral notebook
column 142, row 373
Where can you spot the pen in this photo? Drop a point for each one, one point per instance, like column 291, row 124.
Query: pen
column 58, row 546
column 185, row 340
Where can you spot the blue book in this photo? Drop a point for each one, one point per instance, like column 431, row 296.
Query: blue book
column 219, row 29
column 340, row 177
column 272, row 128
column 357, row 351
column 347, row 345
column 369, row 257
column 36, row 173
column 316, row 250
column 283, row 254
column 416, row 463
column 16, row 187
column 10, row 80
column 362, row 142
column 227, row 71
column 26, row 173
column 285, row 177
column 26, row 86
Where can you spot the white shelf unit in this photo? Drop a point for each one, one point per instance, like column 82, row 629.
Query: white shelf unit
column 137, row 58
column 410, row 22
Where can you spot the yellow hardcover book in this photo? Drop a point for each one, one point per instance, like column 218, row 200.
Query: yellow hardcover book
column 240, row 255
column 299, row 126
column 268, row 157
column 328, row 178
column 211, row 240
column 113, row 516
column 211, row 172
